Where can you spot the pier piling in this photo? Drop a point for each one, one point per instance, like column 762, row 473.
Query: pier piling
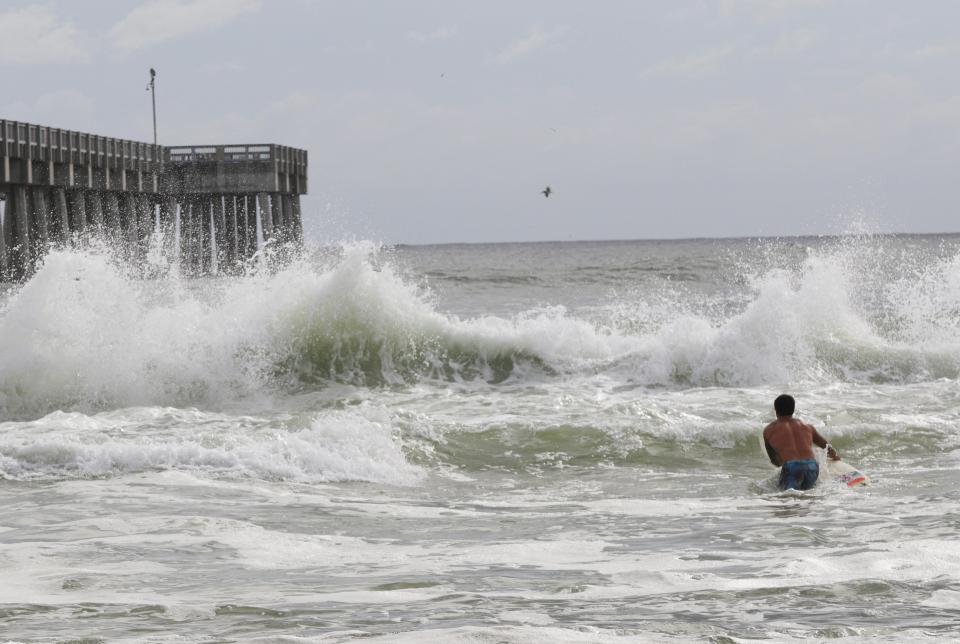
column 62, row 218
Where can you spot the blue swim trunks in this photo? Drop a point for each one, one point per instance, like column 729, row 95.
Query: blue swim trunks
column 799, row 475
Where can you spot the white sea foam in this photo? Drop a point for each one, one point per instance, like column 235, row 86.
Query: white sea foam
column 336, row 446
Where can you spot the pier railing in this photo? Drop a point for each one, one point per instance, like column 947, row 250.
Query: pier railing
column 289, row 160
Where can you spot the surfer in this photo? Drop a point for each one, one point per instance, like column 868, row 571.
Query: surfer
column 789, row 442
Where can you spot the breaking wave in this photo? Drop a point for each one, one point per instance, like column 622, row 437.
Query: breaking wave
column 81, row 335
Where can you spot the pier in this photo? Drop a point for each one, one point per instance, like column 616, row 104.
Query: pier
column 212, row 206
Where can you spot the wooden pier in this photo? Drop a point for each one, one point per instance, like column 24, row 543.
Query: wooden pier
column 213, row 206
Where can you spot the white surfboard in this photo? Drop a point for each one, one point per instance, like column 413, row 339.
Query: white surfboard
column 848, row 474
column 845, row 473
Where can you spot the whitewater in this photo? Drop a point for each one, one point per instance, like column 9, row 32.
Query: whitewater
column 481, row 443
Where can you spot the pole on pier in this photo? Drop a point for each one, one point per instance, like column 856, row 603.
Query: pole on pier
column 153, row 99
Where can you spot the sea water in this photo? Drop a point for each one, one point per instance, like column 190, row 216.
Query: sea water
column 548, row 442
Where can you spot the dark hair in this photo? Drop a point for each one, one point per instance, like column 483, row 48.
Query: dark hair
column 784, row 404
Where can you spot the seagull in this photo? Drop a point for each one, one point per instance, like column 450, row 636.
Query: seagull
column 546, row 191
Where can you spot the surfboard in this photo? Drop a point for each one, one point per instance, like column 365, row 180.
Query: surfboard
column 848, row 474
column 845, row 473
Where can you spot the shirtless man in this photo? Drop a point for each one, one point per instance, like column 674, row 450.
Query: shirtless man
column 789, row 444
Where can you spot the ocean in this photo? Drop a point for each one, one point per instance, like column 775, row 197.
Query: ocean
column 543, row 442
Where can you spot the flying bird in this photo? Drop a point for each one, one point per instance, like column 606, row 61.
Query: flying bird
column 546, row 191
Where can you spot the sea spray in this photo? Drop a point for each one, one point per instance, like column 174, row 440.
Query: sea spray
column 83, row 334
column 851, row 310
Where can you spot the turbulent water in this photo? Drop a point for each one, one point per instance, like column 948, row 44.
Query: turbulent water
column 482, row 443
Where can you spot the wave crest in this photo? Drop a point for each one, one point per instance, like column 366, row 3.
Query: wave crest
column 81, row 335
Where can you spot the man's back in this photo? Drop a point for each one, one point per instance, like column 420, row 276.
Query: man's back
column 790, row 439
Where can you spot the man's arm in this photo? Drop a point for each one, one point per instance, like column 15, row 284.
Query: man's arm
column 772, row 454
column 820, row 441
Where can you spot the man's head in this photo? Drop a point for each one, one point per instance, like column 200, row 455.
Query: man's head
column 784, row 405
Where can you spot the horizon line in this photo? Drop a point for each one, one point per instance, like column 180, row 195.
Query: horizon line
column 675, row 239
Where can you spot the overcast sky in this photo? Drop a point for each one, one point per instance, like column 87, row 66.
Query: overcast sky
column 441, row 121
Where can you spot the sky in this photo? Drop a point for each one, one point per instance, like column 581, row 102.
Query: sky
column 435, row 121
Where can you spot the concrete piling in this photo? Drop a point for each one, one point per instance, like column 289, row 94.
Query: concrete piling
column 41, row 220
column 20, row 230
column 230, row 209
column 128, row 221
column 95, row 210
column 253, row 230
column 203, row 263
column 276, row 209
column 78, row 211
column 266, row 216
column 146, row 223
column 288, row 214
column 111, row 213
column 61, row 215
column 296, row 227
column 186, row 237
column 4, row 245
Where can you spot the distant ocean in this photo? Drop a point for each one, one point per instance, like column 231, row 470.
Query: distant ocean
column 552, row 442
